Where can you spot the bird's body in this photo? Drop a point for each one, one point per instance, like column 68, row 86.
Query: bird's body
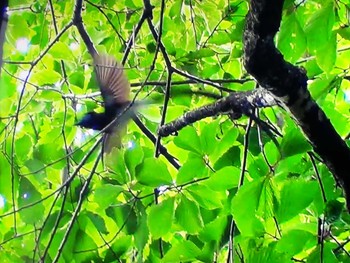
column 115, row 90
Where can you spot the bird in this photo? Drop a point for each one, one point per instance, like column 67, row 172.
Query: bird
column 115, row 91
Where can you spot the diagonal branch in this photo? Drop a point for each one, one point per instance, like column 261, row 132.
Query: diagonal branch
column 236, row 104
column 288, row 83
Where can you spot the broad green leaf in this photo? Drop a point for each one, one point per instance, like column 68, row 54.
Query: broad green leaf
column 272, row 153
column 294, row 241
column 60, row 50
column 105, row 195
column 23, row 147
column 333, row 210
column 261, row 254
column 175, row 9
column 124, row 216
column 327, row 253
column 8, row 87
column 201, row 53
column 207, row 137
column 184, row 251
column 296, row 196
column 326, row 56
column 224, row 179
column 294, row 143
column 206, row 197
column 120, row 246
column 45, row 77
column 27, row 196
column 224, row 144
column 115, row 162
column 98, row 222
column 244, row 206
column 193, row 168
column 291, row 38
column 188, row 140
column 188, row 216
column 319, row 27
column 153, row 172
column 142, row 233
column 82, row 241
column 133, row 157
column 268, row 200
column 50, row 95
column 234, row 68
column 214, row 229
column 160, row 218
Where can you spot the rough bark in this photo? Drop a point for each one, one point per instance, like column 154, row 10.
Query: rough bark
column 288, row 84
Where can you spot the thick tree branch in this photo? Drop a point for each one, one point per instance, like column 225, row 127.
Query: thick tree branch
column 288, row 83
column 235, row 104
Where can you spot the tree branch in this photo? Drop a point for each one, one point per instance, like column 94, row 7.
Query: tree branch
column 288, row 83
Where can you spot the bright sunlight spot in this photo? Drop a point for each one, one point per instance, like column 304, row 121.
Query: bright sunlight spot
column 162, row 189
column 130, row 145
column 2, row 201
column 22, row 76
column 347, row 96
column 22, row 45
column 73, row 46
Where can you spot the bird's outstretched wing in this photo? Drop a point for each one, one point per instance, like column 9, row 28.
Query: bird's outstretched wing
column 114, row 85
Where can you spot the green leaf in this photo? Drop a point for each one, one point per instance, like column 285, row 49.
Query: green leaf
column 133, row 157
column 184, row 251
column 224, row 179
column 124, row 216
column 333, row 211
column 160, row 218
column 27, row 196
column 206, row 197
column 319, row 27
column 261, row 254
column 175, row 9
column 142, row 233
column 188, row 140
column 60, row 50
column 50, row 95
column 208, row 137
column 294, row 242
column 188, row 216
column 291, row 38
column 45, row 77
column 153, row 172
column 326, row 56
column 98, row 222
column 119, row 248
column 244, row 206
column 82, row 241
column 234, row 68
column 193, row 168
column 24, row 147
column 213, row 231
column 225, row 144
column 105, row 195
column 294, row 143
column 201, row 53
column 296, row 196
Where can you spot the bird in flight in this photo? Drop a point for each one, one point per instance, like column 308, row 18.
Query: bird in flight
column 115, row 90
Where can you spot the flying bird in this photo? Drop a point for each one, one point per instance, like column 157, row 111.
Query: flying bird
column 115, row 90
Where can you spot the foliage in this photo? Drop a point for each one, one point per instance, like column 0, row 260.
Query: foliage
column 59, row 200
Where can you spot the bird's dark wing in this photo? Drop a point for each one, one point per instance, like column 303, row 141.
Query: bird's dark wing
column 114, row 85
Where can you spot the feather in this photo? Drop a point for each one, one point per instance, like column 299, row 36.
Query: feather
column 114, row 85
